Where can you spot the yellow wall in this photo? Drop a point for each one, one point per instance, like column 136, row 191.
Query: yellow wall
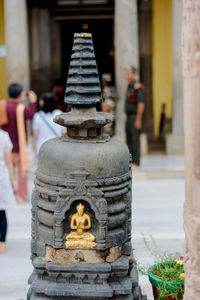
column 161, row 59
column 3, row 80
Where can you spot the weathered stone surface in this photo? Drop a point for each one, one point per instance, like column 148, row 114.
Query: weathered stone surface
column 87, row 120
column 114, row 253
column 96, row 166
column 104, row 199
column 85, row 281
column 83, row 183
column 83, row 80
column 81, row 256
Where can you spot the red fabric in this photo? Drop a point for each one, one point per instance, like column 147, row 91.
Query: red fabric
column 22, row 180
column 142, row 87
column 133, row 97
column 11, row 126
column 59, row 97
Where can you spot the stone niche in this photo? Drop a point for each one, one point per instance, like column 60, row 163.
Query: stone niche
column 88, row 210
column 95, row 206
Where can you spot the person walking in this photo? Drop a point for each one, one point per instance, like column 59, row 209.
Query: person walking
column 43, row 126
column 7, row 184
column 16, row 115
column 134, row 108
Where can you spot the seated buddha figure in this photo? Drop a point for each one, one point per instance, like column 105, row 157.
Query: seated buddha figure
column 80, row 221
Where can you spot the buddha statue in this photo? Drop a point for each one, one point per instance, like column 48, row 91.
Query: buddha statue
column 80, row 221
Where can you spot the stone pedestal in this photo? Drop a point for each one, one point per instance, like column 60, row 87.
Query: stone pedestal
column 86, row 281
column 174, row 144
column 17, row 42
column 175, row 141
column 126, row 53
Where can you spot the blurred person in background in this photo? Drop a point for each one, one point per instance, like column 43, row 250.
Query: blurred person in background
column 43, row 126
column 15, row 114
column 7, row 184
column 109, row 97
column 59, row 95
column 134, row 108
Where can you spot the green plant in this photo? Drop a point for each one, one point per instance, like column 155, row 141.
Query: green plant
column 166, row 275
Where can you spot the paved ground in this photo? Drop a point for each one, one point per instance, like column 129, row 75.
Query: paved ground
column 158, row 196
column 157, row 211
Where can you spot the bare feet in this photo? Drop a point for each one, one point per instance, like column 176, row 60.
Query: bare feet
column 2, row 248
column 134, row 166
column 21, row 200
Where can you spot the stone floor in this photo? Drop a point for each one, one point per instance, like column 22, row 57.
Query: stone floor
column 162, row 162
column 158, row 196
column 157, row 211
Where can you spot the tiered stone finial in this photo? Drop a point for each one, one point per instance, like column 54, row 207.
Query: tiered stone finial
column 83, row 92
column 83, row 86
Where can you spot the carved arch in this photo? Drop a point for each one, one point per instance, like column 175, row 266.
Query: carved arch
column 99, row 206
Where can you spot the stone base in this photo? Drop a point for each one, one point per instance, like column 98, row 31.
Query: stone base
column 133, row 297
column 174, row 144
column 84, row 256
column 143, row 144
column 117, row 280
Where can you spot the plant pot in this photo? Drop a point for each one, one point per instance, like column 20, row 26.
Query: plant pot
column 170, row 286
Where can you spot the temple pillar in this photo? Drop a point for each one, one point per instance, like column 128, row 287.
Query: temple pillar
column 191, row 74
column 45, row 49
column 175, row 140
column 126, row 53
column 17, row 42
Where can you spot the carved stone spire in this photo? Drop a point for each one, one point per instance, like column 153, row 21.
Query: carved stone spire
column 83, row 92
column 83, row 86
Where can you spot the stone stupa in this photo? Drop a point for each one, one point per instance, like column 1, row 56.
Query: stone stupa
column 81, row 203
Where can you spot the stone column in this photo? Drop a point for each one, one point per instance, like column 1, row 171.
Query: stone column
column 191, row 73
column 41, row 52
column 175, row 141
column 58, row 239
column 45, row 49
column 17, row 42
column 126, row 53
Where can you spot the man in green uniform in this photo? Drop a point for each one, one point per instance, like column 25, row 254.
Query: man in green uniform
column 134, row 107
